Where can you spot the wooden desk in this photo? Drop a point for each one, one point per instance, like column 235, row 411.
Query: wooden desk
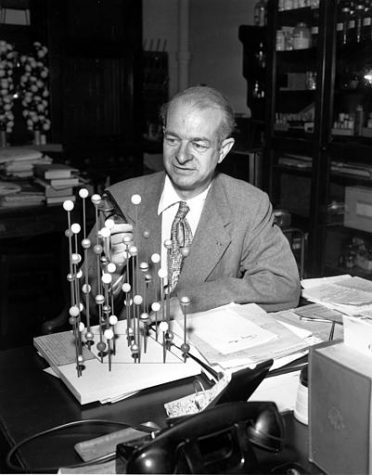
column 32, row 401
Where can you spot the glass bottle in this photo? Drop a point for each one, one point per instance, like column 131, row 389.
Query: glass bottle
column 345, row 17
column 260, row 13
column 351, row 28
column 359, row 15
column 367, row 22
column 301, row 36
column 261, row 59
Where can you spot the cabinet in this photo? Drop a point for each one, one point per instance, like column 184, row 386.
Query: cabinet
column 318, row 134
column 318, row 140
column 95, row 54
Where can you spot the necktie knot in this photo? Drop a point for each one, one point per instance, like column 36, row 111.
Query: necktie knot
column 183, row 209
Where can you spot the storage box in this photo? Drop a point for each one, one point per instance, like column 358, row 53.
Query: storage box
column 340, row 410
column 358, row 208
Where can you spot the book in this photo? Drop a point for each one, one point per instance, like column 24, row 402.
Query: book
column 50, row 191
column 51, row 200
column 59, row 183
column 54, row 170
column 11, row 154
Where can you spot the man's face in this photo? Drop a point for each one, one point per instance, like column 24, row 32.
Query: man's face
column 191, row 147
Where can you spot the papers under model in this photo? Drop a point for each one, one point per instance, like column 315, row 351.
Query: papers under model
column 97, row 382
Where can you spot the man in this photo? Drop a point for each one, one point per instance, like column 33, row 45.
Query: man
column 234, row 252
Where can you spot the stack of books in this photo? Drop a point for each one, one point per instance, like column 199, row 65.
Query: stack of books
column 18, row 162
column 57, row 180
column 14, row 195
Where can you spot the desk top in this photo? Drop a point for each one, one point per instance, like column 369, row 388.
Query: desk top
column 32, row 401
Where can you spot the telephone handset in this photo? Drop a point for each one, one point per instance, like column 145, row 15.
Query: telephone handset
column 217, row 440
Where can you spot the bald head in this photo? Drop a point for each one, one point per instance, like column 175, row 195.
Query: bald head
column 203, row 97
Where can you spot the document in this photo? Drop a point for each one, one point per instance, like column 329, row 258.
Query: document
column 349, row 295
column 230, row 331
column 269, row 338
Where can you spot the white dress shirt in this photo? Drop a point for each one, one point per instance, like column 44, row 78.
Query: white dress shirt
column 168, row 207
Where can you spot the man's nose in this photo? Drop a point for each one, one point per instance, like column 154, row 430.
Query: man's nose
column 183, row 153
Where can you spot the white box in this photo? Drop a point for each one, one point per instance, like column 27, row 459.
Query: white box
column 340, row 410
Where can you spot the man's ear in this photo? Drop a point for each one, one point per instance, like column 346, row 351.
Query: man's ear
column 226, row 146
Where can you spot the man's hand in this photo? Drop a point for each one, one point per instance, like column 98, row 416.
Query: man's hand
column 121, row 240
column 175, row 310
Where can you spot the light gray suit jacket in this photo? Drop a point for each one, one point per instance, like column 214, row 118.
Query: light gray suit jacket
column 237, row 254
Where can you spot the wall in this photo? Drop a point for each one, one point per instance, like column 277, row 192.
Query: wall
column 216, row 52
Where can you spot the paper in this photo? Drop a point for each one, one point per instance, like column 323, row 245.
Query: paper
column 358, row 334
column 349, row 291
column 283, row 342
column 198, row 401
column 98, row 382
column 281, row 389
column 230, row 332
column 314, row 282
column 320, row 330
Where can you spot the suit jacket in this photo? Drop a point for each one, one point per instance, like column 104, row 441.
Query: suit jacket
column 237, row 254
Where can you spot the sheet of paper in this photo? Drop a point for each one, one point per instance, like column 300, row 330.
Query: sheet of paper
column 314, row 282
column 230, row 331
column 348, row 291
column 281, row 389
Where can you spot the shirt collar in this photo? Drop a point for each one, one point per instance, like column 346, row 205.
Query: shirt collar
column 170, row 196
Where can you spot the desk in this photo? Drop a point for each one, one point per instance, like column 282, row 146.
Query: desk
column 32, row 401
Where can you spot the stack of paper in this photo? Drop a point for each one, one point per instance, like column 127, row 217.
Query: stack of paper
column 98, row 382
column 349, row 295
column 234, row 336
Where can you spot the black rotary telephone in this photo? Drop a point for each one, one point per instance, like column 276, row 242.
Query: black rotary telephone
column 217, row 440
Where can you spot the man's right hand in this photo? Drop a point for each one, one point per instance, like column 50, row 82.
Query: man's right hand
column 121, row 240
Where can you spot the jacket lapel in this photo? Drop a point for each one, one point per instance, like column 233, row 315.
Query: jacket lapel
column 212, row 236
column 147, row 219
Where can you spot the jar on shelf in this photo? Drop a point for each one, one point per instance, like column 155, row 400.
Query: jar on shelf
column 301, row 36
column 280, row 40
column 260, row 13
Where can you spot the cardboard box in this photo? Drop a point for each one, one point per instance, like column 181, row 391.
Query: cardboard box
column 340, row 410
column 358, row 208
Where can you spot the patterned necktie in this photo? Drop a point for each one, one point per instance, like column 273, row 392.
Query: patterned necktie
column 181, row 237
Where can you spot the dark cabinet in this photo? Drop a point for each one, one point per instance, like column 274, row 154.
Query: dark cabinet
column 95, row 53
column 318, row 127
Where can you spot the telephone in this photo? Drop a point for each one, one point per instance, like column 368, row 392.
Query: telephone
column 218, row 440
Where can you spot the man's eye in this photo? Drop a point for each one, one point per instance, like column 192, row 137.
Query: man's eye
column 171, row 140
column 200, row 146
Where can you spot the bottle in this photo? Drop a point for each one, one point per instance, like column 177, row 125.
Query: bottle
column 351, row 27
column 280, row 40
column 260, row 13
column 359, row 120
column 301, row 410
column 367, row 22
column 301, row 36
column 345, row 17
column 261, row 59
column 359, row 16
